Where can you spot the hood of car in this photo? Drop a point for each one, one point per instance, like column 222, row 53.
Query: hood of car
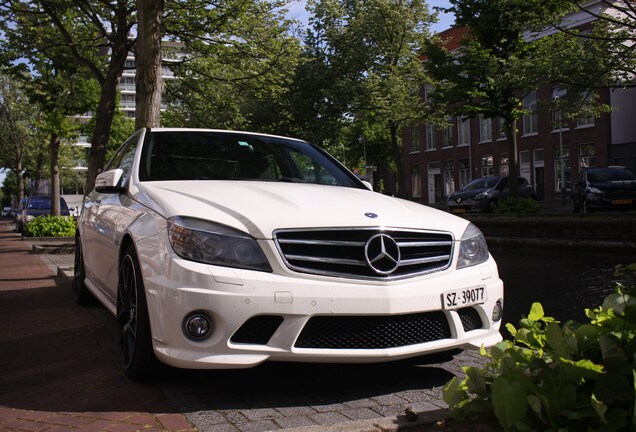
column 466, row 194
column 260, row 208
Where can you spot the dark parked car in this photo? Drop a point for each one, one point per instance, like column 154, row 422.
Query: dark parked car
column 483, row 194
column 38, row 205
column 610, row 188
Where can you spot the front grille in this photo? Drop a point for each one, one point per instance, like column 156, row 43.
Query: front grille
column 257, row 330
column 373, row 332
column 356, row 252
column 470, row 318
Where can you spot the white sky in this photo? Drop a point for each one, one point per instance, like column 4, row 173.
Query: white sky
column 297, row 11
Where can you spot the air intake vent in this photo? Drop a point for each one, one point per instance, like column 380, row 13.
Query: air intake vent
column 373, row 332
column 257, row 330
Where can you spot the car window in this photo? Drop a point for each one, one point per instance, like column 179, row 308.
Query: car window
column 43, row 203
column 609, row 175
column 234, row 156
column 124, row 158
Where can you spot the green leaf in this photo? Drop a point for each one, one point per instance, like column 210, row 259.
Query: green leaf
column 510, row 402
column 599, row 407
column 536, row 312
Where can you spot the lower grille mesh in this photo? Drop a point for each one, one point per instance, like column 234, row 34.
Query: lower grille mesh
column 373, row 332
column 470, row 319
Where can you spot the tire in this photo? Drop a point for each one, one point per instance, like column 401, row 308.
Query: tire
column 133, row 325
column 82, row 295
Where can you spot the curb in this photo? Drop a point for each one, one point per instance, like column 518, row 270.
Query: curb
column 426, row 420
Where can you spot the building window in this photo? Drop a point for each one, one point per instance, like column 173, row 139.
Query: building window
column 487, row 168
column 416, row 181
column 463, row 131
column 430, row 137
column 587, row 156
column 464, row 172
column 585, row 121
column 530, row 118
column 501, row 126
column 447, row 134
column 127, row 101
column 485, row 129
column 127, row 84
column 565, row 162
column 504, row 164
column 449, row 177
column 415, row 138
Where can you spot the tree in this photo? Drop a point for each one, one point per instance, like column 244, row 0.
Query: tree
column 372, row 52
column 501, row 60
column 17, row 132
column 96, row 35
column 148, row 63
column 233, row 66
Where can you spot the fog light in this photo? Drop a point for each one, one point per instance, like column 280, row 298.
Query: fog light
column 497, row 311
column 197, row 326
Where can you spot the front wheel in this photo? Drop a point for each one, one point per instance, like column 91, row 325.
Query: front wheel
column 133, row 325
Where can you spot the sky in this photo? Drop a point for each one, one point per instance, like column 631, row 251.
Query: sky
column 297, row 10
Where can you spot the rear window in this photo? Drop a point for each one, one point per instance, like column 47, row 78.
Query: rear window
column 43, row 203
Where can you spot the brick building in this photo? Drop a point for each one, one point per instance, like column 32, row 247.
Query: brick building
column 440, row 160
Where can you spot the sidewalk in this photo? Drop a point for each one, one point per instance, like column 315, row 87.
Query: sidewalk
column 55, row 377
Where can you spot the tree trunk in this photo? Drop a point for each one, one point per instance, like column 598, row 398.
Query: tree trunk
column 399, row 161
column 148, row 64
column 54, row 146
column 103, row 121
column 513, row 157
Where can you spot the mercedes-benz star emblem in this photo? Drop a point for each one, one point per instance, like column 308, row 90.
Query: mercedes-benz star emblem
column 382, row 254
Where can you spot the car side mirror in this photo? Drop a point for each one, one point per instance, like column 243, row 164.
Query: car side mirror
column 110, row 181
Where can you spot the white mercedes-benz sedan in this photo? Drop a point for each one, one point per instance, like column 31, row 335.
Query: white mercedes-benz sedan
column 222, row 249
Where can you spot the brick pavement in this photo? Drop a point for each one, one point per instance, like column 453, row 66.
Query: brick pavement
column 57, row 375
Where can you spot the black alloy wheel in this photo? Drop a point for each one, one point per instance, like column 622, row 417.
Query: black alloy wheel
column 133, row 324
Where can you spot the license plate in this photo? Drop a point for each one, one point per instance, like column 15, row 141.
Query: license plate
column 623, row 201
column 463, row 297
column 459, row 210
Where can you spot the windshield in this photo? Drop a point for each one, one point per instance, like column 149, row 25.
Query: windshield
column 187, row 155
column 604, row 175
column 482, row 183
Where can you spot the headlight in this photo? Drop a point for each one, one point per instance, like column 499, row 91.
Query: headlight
column 481, row 195
column 472, row 248
column 211, row 243
column 594, row 190
column 29, row 218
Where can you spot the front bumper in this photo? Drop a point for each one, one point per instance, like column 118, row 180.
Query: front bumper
column 289, row 316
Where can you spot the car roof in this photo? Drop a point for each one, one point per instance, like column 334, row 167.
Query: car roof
column 224, row 131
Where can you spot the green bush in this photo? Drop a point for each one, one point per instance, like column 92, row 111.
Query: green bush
column 517, row 206
column 51, row 226
column 559, row 378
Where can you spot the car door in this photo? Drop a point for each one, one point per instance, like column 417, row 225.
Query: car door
column 104, row 215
